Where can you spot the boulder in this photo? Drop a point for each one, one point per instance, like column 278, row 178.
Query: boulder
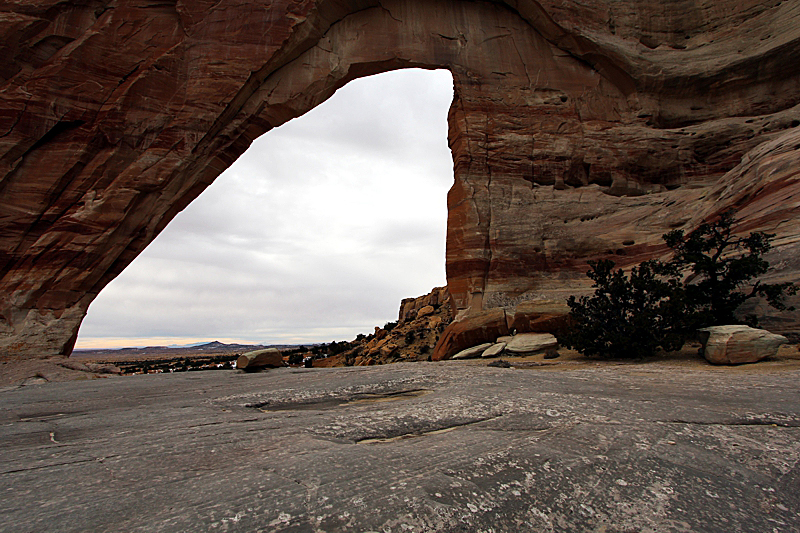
column 471, row 353
column 388, row 349
column 529, row 343
column 733, row 345
column 475, row 329
column 260, row 359
column 425, row 311
column 494, row 350
column 434, row 322
column 541, row 316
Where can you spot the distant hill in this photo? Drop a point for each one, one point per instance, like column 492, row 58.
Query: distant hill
column 169, row 352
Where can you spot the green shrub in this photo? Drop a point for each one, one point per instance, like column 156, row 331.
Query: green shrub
column 655, row 307
column 627, row 316
column 722, row 268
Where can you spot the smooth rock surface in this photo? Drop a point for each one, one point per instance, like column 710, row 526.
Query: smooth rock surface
column 736, row 344
column 527, row 343
column 579, row 129
column 452, row 447
column 494, row 350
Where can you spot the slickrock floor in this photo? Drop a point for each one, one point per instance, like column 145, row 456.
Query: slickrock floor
column 445, row 447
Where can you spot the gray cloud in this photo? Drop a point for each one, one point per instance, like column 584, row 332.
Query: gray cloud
column 316, row 233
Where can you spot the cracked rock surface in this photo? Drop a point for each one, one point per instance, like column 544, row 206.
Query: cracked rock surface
column 440, row 447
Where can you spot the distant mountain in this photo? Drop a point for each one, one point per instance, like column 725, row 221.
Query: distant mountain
column 175, row 351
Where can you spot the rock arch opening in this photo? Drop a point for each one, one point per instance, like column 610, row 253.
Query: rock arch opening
column 315, row 233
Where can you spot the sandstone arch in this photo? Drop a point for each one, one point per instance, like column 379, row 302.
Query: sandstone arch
column 575, row 127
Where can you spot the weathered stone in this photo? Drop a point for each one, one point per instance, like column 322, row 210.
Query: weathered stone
column 478, row 328
column 541, row 316
column 642, row 448
column 425, row 311
column 733, row 345
column 411, row 339
column 494, row 350
column 388, row 349
column 74, row 365
column 411, row 308
column 579, row 130
column 528, row 343
column 472, row 352
column 260, row 359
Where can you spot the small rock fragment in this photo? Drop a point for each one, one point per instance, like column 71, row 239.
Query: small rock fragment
column 551, row 353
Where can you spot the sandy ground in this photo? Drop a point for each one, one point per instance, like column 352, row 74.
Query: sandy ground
column 56, row 369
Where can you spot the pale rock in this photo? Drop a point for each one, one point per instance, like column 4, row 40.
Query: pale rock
column 733, row 345
column 494, row 350
column 472, row 352
column 527, row 343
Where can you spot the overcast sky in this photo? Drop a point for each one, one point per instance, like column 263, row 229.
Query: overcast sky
column 315, row 234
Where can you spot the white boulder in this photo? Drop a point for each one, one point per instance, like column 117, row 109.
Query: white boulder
column 470, row 353
column 733, row 345
column 525, row 343
column 494, row 350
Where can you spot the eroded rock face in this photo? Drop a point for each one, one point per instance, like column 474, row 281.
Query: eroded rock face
column 579, row 130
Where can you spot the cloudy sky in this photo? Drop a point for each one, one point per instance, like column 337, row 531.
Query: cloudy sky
column 315, row 234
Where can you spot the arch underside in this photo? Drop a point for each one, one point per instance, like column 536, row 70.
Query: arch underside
column 578, row 130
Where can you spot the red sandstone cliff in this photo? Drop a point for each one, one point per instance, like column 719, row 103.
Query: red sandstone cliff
column 578, row 129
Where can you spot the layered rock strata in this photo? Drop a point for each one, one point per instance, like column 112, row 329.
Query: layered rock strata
column 578, row 129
